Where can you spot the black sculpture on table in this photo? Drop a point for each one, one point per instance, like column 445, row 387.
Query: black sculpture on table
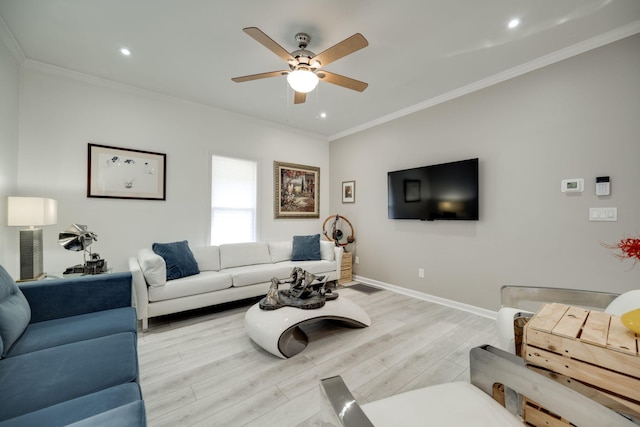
column 306, row 291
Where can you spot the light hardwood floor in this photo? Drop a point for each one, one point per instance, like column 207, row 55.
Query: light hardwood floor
column 201, row 369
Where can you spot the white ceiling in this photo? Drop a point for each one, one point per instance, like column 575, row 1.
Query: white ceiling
column 420, row 51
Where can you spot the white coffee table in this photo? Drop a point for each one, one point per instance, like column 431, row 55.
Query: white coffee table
column 278, row 332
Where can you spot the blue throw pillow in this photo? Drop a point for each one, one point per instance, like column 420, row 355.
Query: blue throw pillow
column 178, row 258
column 15, row 313
column 306, row 248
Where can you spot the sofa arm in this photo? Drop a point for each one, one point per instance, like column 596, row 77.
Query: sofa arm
column 338, row 251
column 54, row 299
column 140, row 291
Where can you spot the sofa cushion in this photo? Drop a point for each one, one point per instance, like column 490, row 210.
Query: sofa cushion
column 54, row 375
column 314, row 267
column 81, row 407
column 153, row 267
column 15, row 312
column 178, row 257
column 327, row 250
column 206, row 281
column 132, row 414
column 253, row 274
column 280, row 251
column 306, row 248
column 207, row 257
column 67, row 330
column 238, row 254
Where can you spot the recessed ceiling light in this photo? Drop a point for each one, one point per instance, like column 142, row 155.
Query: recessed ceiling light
column 513, row 23
column 323, row 115
column 125, row 51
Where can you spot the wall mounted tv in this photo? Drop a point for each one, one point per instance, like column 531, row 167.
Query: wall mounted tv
column 448, row 191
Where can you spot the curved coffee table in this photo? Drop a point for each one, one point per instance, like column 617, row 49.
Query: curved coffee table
column 278, row 332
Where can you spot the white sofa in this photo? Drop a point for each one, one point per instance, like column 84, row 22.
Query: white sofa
column 227, row 273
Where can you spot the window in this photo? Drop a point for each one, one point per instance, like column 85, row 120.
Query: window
column 233, row 200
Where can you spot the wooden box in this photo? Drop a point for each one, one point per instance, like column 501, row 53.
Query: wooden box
column 346, row 271
column 582, row 347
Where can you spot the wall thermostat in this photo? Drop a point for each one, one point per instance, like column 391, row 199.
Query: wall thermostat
column 603, row 186
column 574, row 185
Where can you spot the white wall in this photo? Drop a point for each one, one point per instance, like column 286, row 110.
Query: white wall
column 9, row 83
column 579, row 118
column 60, row 115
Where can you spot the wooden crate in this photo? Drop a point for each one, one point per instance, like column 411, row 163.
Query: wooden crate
column 592, row 348
column 346, row 268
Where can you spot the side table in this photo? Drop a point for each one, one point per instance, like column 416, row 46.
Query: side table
column 346, row 268
column 588, row 350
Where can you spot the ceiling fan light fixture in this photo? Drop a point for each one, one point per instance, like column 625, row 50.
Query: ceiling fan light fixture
column 302, row 80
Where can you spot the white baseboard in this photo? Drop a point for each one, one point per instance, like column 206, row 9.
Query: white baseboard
column 426, row 297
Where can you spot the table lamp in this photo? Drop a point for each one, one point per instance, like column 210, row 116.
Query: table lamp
column 31, row 212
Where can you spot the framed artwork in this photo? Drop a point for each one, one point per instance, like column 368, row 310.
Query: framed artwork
column 123, row 173
column 348, row 192
column 296, row 191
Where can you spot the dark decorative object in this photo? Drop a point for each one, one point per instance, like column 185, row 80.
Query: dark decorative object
column 77, row 238
column 333, row 227
column 306, row 291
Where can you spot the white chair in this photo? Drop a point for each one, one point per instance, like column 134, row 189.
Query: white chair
column 466, row 404
column 521, row 302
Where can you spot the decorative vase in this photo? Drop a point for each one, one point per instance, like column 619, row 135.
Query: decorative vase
column 631, row 320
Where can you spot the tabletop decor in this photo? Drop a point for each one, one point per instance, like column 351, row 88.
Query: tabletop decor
column 296, row 191
column 123, row 173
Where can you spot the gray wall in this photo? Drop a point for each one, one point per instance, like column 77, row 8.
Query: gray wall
column 579, row 118
column 9, row 83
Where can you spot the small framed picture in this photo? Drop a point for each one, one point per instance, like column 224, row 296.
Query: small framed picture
column 348, row 192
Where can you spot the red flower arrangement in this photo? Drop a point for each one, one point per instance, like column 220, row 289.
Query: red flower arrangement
column 629, row 248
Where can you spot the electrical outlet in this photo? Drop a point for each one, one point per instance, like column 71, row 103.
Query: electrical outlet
column 421, row 273
column 357, row 259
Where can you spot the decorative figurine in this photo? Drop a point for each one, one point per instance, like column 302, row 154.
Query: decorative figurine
column 306, row 291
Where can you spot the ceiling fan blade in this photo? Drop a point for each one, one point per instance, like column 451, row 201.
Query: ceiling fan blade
column 269, row 43
column 342, row 49
column 299, row 98
column 343, row 81
column 259, row 76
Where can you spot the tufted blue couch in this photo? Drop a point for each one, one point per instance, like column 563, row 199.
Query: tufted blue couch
column 68, row 353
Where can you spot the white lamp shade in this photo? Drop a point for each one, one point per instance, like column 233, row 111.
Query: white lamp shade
column 302, row 81
column 31, row 211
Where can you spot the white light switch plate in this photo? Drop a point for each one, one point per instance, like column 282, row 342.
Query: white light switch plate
column 603, row 214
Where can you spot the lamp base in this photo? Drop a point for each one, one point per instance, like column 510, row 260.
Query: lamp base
column 31, row 254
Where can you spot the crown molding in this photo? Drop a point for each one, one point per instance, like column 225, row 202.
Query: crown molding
column 557, row 56
column 10, row 41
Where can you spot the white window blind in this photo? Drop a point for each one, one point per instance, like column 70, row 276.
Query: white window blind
column 233, row 200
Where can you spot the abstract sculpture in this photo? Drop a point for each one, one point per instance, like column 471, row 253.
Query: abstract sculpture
column 77, row 238
column 306, row 291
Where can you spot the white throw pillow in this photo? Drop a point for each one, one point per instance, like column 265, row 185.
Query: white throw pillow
column 280, row 251
column 153, row 267
column 327, row 250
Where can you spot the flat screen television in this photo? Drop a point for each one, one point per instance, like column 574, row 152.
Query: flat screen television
column 448, row 191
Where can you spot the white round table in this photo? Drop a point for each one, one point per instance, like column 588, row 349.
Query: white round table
column 278, row 332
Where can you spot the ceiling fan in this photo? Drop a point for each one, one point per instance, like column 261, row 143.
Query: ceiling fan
column 305, row 66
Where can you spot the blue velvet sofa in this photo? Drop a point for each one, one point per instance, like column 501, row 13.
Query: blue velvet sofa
column 69, row 353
